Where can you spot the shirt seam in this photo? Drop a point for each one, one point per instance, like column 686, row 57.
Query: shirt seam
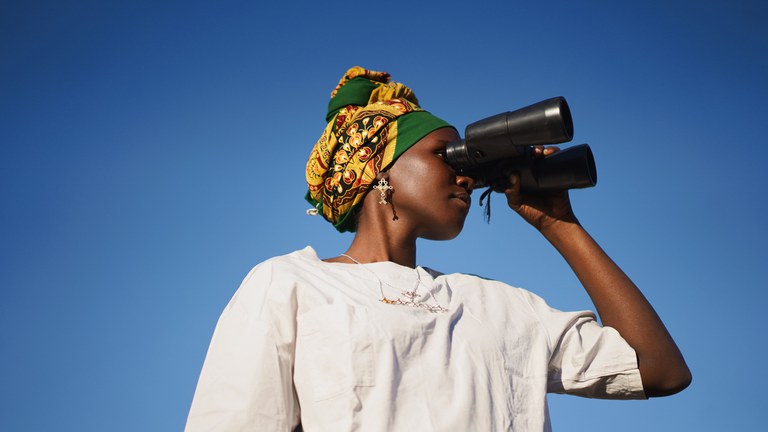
column 550, row 343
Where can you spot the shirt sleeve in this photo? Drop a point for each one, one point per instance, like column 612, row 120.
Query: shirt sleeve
column 246, row 383
column 587, row 359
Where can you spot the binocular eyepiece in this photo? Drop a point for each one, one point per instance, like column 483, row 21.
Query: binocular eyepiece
column 499, row 145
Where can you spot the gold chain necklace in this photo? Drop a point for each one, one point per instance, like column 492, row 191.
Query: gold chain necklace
column 410, row 296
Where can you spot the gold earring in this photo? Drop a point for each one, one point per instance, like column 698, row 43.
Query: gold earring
column 383, row 187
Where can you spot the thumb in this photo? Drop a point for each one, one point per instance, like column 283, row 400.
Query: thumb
column 514, row 198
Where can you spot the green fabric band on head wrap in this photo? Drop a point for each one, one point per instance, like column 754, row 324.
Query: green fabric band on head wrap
column 413, row 127
column 371, row 122
column 356, row 92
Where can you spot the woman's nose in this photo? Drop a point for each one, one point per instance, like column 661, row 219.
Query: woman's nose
column 466, row 182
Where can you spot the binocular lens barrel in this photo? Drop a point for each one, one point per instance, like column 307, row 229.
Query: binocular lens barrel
column 508, row 137
column 570, row 168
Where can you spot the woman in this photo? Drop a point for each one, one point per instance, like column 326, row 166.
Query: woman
column 369, row 341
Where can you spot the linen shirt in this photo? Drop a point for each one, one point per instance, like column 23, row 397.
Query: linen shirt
column 305, row 341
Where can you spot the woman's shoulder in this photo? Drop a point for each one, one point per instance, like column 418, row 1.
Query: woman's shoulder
column 472, row 279
column 491, row 287
column 276, row 277
column 289, row 263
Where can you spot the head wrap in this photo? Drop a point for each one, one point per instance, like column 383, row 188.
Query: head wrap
column 371, row 122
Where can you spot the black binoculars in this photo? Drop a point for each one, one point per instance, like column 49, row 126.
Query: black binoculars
column 499, row 145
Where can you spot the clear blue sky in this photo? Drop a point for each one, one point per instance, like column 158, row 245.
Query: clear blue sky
column 152, row 152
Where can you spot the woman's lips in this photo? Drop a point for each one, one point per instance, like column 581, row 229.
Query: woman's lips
column 464, row 197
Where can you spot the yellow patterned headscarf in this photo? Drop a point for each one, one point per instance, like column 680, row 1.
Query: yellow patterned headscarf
column 371, row 122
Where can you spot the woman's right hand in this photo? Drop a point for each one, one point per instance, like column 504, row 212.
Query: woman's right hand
column 543, row 209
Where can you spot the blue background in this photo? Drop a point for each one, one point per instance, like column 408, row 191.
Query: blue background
column 152, row 152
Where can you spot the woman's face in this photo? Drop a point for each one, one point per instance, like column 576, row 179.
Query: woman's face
column 427, row 194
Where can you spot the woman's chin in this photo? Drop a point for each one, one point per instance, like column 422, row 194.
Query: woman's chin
column 447, row 233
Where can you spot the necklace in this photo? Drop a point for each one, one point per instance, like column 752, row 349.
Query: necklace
column 409, row 296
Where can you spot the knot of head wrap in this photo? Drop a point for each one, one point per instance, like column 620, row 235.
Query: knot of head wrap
column 371, row 122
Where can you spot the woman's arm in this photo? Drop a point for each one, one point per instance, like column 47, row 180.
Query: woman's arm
column 619, row 302
column 247, row 379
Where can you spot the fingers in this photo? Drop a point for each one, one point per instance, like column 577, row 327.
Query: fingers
column 512, row 192
column 539, row 151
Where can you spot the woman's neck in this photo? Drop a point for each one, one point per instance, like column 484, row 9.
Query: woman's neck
column 379, row 238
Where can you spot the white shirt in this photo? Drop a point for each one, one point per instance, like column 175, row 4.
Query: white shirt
column 307, row 341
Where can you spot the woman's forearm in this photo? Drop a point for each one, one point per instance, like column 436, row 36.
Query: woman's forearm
column 622, row 306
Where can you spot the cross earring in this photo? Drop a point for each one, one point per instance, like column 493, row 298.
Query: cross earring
column 383, row 187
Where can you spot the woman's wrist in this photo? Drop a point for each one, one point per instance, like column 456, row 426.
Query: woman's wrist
column 562, row 230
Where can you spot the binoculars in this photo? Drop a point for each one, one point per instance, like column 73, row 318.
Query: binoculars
column 499, row 145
